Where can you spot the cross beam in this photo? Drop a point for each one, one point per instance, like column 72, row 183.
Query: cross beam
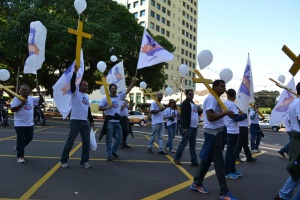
column 296, row 66
column 206, row 82
column 80, row 34
column 284, row 87
column 260, row 114
column 146, row 92
column 6, row 89
column 105, row 85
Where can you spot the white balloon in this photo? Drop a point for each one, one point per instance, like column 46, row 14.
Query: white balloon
column 226, row 75
column 169, row 91
column 113, row 58
column 143, row 84
column 101, row 66
column 183, row 70
column 4, row 74
column 281, row 78
column 205, row 58
column 80, row 6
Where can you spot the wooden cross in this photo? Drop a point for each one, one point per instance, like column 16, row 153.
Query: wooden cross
column 177, row 85
column 8, row 90
column 284, row 87
column 146, row 92
column 105, row 85
column 296, row 66
column 206, row 82
column 260, row 114
column 79, row 34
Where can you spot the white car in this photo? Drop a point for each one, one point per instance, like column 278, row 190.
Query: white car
column 266, row 125
column 137, row 117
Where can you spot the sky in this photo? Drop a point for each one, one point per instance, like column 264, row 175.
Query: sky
column 233, row 28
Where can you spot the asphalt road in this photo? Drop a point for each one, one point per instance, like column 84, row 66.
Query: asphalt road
column 135, row 175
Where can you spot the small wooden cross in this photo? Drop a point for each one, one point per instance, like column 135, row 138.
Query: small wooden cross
column 146, row 92
column 105, row 85
column 80, row 34
column 284, row 87
column 177, row 85
column 206, row 82
column 6, row 89
column 260, row 114
column 296, row 66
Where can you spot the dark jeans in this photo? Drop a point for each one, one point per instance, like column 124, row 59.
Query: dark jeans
column 232, row 140
column 216, row 156
column 125, row 128
column 243, row 143
column 24, row 137
column 255, row 136
column 84, row 128
column 190, row 136
column 287, row 146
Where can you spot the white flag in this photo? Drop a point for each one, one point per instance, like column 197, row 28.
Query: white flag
column 246, row 93
column 280, row 110
column 62, row 89
column 116, row 76
column 151, row 53
column 36, row 47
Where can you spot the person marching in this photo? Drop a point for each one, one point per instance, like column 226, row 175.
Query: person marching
column 126, row 127
column 255, row 129
column 171, row 114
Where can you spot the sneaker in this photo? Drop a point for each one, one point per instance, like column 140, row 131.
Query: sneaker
column 126, row 146
column 200, row 189
column 115, row 155
column 150, row 150
column 109, row 158
column 15, row 148
column 239, row 174
column 239, row 160
column 277, row 197
column 173, row 151
column 85, row 165
column 20, row 160
column 251, row 159
column 227, row 196
column 195, row 164
column 166, row 149
column 163, row 153
column 231, row 176
column 281, row 153
column 64, row 165
column 255, row 151
column 177, row 162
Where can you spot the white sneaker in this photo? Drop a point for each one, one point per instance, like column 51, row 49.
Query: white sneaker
column 255, row 151
column 64, row 165
column 86, row 165
column 20, row 160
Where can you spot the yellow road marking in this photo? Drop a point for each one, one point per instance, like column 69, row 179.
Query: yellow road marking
column 40, row 182
column 8, row 138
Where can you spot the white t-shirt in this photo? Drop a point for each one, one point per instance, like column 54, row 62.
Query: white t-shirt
column 24, row 116
column 124, row 112
column 116, row 105
column 194, row 116
column 288, row 126
column 80, row 105
column 244, row 123
column 231, row 125
column 210, row 103
column 157, row 117
column 169, row 112
column 254, row 114
column 294, row 115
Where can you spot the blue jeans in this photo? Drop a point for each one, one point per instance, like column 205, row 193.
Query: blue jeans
column 157, row 129
column 287, row 146
column 232, row 140
column 113, row 129
column 287, row 191
column 255, row 137
column 84, row 128
column 190, row 136
column 171, row 134
column 24, row 137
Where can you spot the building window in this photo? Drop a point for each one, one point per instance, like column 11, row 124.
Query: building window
column 163, row 9
column 158, row 6
column 138, row 98
column 135, row 4
column 135, row 15
column 169, row 2
column 128, row 6
column 157, row 28
column 168, row 23
column 168, row 34
column 166, row 66
column 143, row 2
column 152, row 2
column 163, row 20
column 163, row 31
column 142, row 13
column 166, row 76
column 182, row 41
column 142, row 24
column 131, row 97
column 183, row 32
column 158, row 17
column 152, row 14
column 152, row 25
column 168, row 13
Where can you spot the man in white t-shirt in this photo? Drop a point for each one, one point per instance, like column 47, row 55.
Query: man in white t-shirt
column 126, row 127
column 255, row 131
column 112, row 125
column 157, row 125
column 23, row 119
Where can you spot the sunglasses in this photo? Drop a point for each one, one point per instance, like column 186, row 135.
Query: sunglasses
column 172, row 102
column 191, row 94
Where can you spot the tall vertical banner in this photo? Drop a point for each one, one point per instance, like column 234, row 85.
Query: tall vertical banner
column 116, row 76
column 280, row 110
column 36, row 47
column 151, row 53
column 62, row 88
column 246, row 93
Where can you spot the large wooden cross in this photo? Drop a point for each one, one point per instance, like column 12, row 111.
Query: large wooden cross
column 206, row 82
column 146, row 92
column 8, row 90
column 105, row 85
column 80, row 34
column 296, row 66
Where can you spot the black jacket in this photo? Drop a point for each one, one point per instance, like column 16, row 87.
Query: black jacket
column 185, row 117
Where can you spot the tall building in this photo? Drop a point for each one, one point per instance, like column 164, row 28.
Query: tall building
column 177, row 21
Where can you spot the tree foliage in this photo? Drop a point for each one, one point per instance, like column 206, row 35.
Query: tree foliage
column 266, row 99
column 115, row 32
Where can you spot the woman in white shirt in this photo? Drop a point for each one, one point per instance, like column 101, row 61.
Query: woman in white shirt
column 170, row 114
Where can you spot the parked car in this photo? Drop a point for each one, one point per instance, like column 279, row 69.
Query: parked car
column 266, row 125
column 137, row 117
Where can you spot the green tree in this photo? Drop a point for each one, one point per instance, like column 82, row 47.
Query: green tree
column 266, row 99
column 115, row 32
